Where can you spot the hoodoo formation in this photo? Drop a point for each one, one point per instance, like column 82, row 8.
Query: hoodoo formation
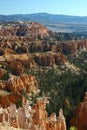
column 80, row 115
column 32, row 118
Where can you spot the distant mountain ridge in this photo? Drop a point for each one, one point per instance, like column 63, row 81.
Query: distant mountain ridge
column 60, row 23
column 43, row 17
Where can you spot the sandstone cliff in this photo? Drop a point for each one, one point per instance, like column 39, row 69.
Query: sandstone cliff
column 16, row 87
column 80, row 115
column 32, row 118
column 50, row 59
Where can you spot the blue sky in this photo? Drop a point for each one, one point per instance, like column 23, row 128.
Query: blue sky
column 67, row 7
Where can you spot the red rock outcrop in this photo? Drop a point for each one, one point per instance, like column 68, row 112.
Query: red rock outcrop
column 24, row 28
column 16, row 86
column 13, row 97
column 22, row 83
column 32, row 118
column 22, row 37
column 16, row 63
column 2, row 72
column 80, row 115
column 7, row 51
column 50, row 59
column 16, row 67
column 72, row 47
column 18, row 38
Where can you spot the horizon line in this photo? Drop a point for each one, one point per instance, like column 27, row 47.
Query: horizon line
column 42, row 13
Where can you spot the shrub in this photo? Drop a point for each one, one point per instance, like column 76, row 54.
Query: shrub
column 73, row 128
